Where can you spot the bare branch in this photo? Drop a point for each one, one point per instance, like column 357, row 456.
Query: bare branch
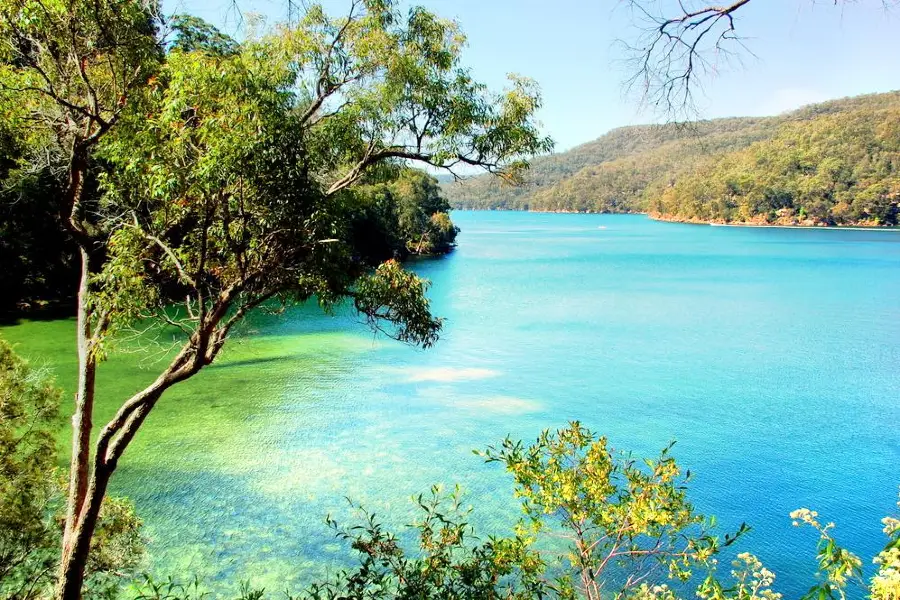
column 675, row 52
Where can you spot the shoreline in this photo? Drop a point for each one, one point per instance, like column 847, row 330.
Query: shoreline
column 690, row 221
column 817, row 226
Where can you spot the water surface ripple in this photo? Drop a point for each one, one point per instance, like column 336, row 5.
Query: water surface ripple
column 770, row 355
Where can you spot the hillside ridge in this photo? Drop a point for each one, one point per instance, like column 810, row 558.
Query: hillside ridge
column 629, row 168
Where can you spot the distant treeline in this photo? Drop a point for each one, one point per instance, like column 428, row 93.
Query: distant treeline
column 406, row 214
column 836, row 163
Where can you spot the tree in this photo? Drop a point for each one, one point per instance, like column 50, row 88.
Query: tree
column 442, row 233
column 423, row 215
column 231, row 178
column 419, row 214
column 449, row 560
column 40, row 266
column 193, row 33
column 69, row 70
column 626, row 529
column 603, row 511
column 832, row 169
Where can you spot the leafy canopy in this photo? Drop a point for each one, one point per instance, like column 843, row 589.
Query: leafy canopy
column 67, row 66
column 29, row 408
column 233, row 177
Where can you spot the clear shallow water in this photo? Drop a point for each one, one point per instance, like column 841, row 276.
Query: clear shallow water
column 770, row 355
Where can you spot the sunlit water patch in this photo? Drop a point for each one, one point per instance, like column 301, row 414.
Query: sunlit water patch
column 770, row 355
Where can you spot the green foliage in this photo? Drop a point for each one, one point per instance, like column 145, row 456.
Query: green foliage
column 614, row 511
column 118, row 548
column 234, row 180
column 840, row 169
column 449, row 561
column 149, row 588
column 611, row 516
column 409, row 213
column 39, row 264
column 345, row 94
column 750, row 581
column 214, row 192
column 169, row 589
column 625, row 527
column 30, row 495
column 397, row 297
column 66, row 67
column 837, row 566
column 419, row 199
column 67, row 70
column 441, row 233
column 831, row 164
column 29, row 407
column 194, row 34
column 374, row 225
column 886, row 583
column 218, row 183
column 391, row 86
column 607, row 174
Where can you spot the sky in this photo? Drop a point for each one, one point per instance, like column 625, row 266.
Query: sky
column 801, row 52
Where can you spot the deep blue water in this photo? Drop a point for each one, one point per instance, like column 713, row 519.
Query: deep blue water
column 770, row 355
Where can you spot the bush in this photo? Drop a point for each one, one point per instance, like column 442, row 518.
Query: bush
column 31, row 495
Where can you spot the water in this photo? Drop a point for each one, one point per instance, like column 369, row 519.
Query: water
column 770, row 355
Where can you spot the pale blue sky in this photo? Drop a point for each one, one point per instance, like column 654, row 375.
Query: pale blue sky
column 805, row 52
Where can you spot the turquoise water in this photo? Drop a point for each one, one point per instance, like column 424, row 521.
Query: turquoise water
column 770, row 355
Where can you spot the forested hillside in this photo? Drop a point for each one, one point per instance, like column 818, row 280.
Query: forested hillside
column 830, row 163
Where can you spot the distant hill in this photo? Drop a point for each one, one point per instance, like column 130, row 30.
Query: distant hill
column 752, row 169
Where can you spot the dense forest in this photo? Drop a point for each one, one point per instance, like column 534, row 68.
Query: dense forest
column 834, row 163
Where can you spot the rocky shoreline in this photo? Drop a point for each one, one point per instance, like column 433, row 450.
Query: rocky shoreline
column 780, row 222
column 760, row 221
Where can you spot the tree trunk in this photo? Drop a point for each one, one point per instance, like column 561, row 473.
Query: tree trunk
column 111, row 443
column 82, row 422
column 82, row 419
column 86, row 494
column 75, row 553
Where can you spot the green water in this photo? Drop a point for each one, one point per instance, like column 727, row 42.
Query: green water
column 771, row 355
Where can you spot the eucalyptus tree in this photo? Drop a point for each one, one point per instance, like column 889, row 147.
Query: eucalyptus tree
column 230, row 178
column 68, row 71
